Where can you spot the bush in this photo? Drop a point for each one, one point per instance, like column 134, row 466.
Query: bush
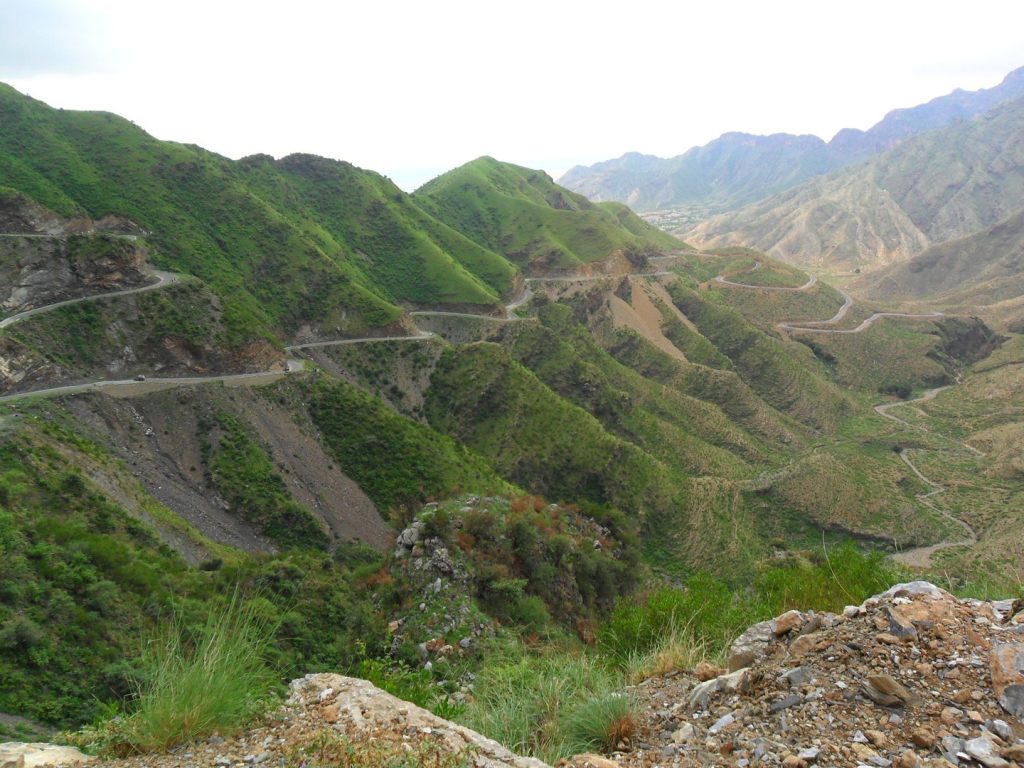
column 216, row 680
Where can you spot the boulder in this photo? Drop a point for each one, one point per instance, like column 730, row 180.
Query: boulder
column 16, row 754
column 365, row 708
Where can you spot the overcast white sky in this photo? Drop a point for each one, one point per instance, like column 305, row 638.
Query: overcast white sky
column 411, row 89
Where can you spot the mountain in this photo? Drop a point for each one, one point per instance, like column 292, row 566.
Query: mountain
column 280, row 258
column 536, row 224
column 737, row 169
column 939, row 186
column 419, row 437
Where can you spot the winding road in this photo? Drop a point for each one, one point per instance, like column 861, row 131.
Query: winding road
column 814, row 326
column 921, row 557
column 918, row 557
column 163, row 279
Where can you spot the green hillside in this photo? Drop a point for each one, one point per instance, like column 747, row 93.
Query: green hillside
column 283, row 244
column 523, row 215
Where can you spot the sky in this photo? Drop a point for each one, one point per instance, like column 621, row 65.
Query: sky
column 411, row 89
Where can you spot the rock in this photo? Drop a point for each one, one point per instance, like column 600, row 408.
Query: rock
column 1014, row 753
column 787, row 622
column 706, row 671
column 722, row 723
column 916, row 588
column 983, row 750
column 1006, row 664
column 730, row 683
column 751, row 646
column 364, row 708
column 900, row 626
column 885, row 691
column 797, row 676
column 684, row 734
column 785, row 703
column 590, row 760
column 923, row 738
column 803, row 645
column 16, row 754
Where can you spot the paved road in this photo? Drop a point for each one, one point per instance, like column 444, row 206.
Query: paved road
column 421, row 336
column 129, row 387
column 162, row 279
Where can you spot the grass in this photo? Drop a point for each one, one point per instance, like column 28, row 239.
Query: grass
column 551, row 706
column 522, row 214
column 193, row 684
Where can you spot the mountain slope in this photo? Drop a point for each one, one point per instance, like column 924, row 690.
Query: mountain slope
column 523, row 215
column 300, row 242
column 936, row 187
column 990, row 261
column 737, row 169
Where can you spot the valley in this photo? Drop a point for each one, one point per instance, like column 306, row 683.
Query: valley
column 486, row 436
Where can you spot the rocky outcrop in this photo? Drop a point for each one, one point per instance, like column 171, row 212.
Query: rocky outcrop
column 330, row 720
column 46, row 259
column 912, row 677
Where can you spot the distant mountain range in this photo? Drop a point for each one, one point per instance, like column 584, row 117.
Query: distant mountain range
column 738, row 168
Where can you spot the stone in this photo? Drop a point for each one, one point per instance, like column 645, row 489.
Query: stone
column 785, row 703
column 684, row 734
column 916, row 589
column 797, row 676
column 367, row 709
column 923, row 738
column 705, row 671
column 1006, row 664
column 16, row 754
column 885, row 691
column 786, row 623
column 590, row 760
column 803, row 645
column 730, row 683
column 900, row 625
column 722, row 723
column 751, row 646
column 983, row 750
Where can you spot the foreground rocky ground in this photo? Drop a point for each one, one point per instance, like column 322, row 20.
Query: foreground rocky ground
column 913, row 677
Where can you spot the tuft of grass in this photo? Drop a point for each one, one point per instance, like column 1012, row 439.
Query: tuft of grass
column 551, row 707
column 216, row 680
column 676, row 648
